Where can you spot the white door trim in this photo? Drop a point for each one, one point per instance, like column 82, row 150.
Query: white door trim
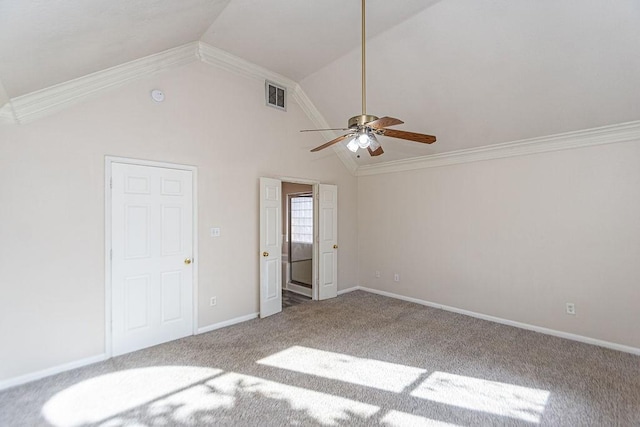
column 314, row 261
column 108, row 161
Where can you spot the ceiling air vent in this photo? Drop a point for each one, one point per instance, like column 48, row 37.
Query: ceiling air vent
column 276, row 95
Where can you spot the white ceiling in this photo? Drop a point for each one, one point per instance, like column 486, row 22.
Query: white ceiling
column 475, row 73
column 470, row 72
column 45, row 42
column 297, row 38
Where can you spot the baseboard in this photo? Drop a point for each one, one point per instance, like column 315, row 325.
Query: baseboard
column 22, row 379
column 546, row 331
column 227, row 323
column 345, row 291
column 33, row 376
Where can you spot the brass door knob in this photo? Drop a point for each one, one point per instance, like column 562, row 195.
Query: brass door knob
column 187, row 261
column 335, row 246
column 265, row 253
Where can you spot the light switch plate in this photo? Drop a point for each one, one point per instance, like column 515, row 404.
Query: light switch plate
column 215, row 232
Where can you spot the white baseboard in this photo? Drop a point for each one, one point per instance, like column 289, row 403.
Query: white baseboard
column 33, row 376
column 547, row 331
column 226, row 323
column 22, row 379
column 344, row 291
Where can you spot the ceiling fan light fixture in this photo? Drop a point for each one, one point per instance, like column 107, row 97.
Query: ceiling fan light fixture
column 373, row 142
column 364, row 140
column 352, row 145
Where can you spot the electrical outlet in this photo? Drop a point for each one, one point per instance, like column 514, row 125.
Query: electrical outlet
column 571, row 308
column 215, row 232
column 377, row 274
column 213, row 301
column 396, row 277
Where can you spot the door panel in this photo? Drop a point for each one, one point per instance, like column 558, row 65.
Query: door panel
column 136, row 302
column 172, row 233
column 328, row 241
column 171, row 296
column 152, row 235
column 270, row 246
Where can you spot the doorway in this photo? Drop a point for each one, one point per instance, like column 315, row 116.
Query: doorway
column 297, row 248
column 324, row 276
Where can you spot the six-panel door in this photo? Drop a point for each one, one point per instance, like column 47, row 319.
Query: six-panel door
column 152, row 243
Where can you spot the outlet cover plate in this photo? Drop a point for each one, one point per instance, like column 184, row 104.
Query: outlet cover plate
column 571, row 308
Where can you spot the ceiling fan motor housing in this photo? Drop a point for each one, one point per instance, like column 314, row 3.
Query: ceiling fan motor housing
column 361, row 120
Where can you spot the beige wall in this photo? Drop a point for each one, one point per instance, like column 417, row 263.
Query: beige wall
column 514, row 238
column 52, row 203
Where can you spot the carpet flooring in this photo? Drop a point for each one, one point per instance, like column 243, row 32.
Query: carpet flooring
column 289, row 299
column 359, row 359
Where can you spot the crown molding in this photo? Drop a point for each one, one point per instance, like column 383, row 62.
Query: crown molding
column 31, row 106
column 6, row 114
column 320, row 122
column 222, row 59
column 610, row 134
column 37, row 104
column 46, row 101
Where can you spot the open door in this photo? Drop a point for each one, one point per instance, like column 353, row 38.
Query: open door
column 270, row 246
column 327, row 241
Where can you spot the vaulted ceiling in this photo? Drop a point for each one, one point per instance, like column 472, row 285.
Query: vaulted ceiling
column 471, row 72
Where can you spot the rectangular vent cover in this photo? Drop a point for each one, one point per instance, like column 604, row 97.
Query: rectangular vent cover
column 276, row 96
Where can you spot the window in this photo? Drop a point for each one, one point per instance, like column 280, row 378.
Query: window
column 301, row 208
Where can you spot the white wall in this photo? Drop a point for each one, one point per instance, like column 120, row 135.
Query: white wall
column 52, row 203
column 514, row 238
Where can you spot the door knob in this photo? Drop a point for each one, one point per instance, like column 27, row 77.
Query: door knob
column 187, row 261
column 335, row 246
column 265, row 253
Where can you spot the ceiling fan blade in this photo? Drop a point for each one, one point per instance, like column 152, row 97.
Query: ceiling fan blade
column 330, row 143
column 320, row 130
column 384, row 122
column 375, row 152
column 411, row 136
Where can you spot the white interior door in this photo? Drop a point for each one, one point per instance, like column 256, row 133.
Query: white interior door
column 270, row 246
column 152, row 244
column 327, row 241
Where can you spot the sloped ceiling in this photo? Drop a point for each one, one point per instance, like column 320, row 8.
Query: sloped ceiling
column 475, row 73
column 44, row 42
column 470, row 72
column 297, row 38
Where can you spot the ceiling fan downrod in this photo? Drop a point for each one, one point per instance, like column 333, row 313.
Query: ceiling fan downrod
column 364, row 60
column 359, row 121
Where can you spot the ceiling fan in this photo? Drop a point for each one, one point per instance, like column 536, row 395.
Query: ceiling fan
column 362, row 129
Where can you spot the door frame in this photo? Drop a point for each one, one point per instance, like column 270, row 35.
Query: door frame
column 108, row 161
column 288, row 233
column 314, row 262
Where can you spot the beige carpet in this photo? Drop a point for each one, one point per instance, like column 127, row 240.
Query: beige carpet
column 360, row 359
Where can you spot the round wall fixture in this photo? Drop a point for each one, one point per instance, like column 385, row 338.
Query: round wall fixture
column 157, row 95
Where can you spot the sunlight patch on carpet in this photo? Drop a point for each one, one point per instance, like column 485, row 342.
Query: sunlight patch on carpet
column 325, row 408
column 337, row 366
column 170, row 395
column 492, row 397
column 402, row 419
column 101, row 398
